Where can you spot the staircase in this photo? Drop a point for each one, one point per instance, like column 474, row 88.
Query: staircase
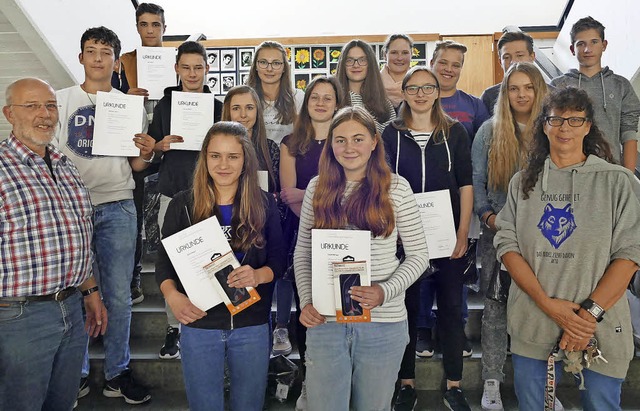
column 164, row 377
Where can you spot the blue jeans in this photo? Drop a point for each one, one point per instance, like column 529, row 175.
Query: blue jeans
column 203, row 354
column 41, row 348
column 530, row 376
column 114, row 242
column 357, row 362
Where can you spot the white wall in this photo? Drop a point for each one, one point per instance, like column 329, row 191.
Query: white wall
column 296, row 18
column 62, row 22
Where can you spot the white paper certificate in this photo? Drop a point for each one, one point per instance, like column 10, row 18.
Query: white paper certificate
column 118, row 118
column 191, row 118
column 189, row 251
column 437, row 219
column 327, row 247
column 156, row 69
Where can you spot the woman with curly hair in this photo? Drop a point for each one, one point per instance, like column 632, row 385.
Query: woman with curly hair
column 569, row 235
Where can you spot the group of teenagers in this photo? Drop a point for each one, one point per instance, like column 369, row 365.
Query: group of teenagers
column 536, row 165
column 350, row 154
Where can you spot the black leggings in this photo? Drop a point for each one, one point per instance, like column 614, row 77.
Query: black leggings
column 448, row 285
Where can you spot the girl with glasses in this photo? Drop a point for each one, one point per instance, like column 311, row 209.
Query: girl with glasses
column 361, row 84
column 270, row 77
column 431, row 150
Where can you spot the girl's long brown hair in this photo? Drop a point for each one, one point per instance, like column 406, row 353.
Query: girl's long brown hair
column 249, row 217
column 369, row 206
column 258, row 134
column 509, row 146
column 284, row 104
column 372, row 91
column 303, row 132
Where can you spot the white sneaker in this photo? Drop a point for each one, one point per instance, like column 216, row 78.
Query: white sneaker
column 281, row 343
column 491, row 400
column 301, row 403
column 558, row 405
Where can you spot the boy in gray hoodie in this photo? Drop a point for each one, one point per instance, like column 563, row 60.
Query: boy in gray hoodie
column 617, row 107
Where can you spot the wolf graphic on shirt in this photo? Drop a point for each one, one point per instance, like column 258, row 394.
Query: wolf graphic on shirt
column 557, row 224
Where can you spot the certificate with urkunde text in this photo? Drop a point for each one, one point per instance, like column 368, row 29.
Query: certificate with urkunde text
column 119, row 117
column 191, row 118
column 437, row 220
column 190, row 250
column 335, row 246
column 156, row 69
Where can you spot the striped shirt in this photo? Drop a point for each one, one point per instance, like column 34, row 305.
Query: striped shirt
column 356, row 101
column 45, row 223
column 386, row 270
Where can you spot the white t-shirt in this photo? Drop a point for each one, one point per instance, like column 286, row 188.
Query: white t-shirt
column 108, row 178
column 275, row 130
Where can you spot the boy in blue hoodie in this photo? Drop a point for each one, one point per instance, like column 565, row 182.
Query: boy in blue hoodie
column 617, row 107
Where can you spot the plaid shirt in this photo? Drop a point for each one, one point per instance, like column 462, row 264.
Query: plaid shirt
column 45, row 224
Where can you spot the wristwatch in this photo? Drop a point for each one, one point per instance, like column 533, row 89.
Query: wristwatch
column 593, row 308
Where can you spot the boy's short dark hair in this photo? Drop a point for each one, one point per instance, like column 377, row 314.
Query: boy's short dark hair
column 149, row 8
column 586, row 23
column 191, row 47
column 511, row 36
column 102, row 35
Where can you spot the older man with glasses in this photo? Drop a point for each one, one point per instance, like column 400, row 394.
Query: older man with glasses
column 45, row 248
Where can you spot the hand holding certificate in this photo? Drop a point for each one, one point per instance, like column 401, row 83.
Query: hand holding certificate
column 437, row 220
column 118, row 118
column 156, row 69
column 330, row 247
column 203, row 260
column 191, row 118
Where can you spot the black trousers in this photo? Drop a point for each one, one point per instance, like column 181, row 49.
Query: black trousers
column 448, row 285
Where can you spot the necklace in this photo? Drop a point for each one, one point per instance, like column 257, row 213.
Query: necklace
column 88, row 96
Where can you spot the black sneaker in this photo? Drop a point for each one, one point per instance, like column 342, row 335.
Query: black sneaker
column 424, row 348
column 171, row 347
column 406, row 399
column 84, row 389
column 455, row 401
column 136, row 295
column 124, row 386
column 467, row 350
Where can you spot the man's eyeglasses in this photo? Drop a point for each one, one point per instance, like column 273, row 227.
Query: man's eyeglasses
column 350, row 61
column 556, row 121
column 276, row 64
column 34, row 107
column 426, row 89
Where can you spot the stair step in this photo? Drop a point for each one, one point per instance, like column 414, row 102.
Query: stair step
column 175, row 400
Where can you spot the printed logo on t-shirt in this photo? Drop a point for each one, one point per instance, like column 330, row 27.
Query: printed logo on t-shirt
column 226, row 229
column 557, row 224
column 80, row 129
